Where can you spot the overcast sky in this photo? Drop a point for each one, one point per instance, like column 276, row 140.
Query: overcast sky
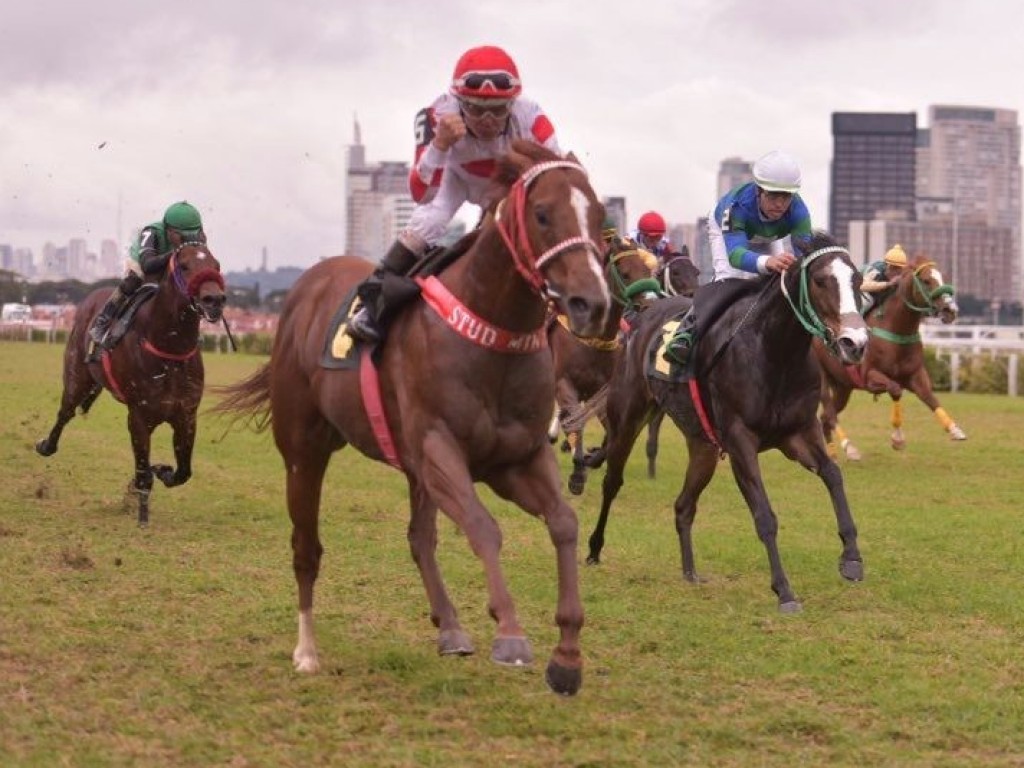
column 245, row 108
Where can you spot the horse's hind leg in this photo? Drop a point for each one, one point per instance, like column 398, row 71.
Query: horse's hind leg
column 921, row 386
column 302, row 489
column 534, row 487
column 703, row 460
column 79, row 390
column 653, row 429
column 422, row 536
column 625, row 420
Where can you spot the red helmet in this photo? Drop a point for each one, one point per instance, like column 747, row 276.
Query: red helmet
column 652, row 224
column 486, row 73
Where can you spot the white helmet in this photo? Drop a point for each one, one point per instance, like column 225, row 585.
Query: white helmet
column 777, row 172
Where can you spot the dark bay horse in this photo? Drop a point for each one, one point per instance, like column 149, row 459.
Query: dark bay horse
column 758, row 384
column 584, row 364
column 894, row 360
column 678, row 276
column 455, row 411
column 156, row 370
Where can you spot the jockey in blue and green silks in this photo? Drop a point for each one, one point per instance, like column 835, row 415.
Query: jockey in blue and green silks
column 752, row 232
column 148, row 256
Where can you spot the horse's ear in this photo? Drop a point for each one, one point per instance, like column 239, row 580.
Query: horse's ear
column 571, row 157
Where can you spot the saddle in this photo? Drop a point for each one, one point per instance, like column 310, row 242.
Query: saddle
column 123, row 320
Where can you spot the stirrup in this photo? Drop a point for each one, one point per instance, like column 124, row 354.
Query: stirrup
column 362, row 327
column 678, row 350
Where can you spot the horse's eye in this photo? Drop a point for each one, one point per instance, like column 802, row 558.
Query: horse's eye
column 541, row 214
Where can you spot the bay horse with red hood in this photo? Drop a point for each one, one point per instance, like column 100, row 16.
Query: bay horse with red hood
column 464, row 389
column 156, row 370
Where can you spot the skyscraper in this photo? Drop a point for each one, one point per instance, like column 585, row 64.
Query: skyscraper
column 377, row 202
column 873, row 168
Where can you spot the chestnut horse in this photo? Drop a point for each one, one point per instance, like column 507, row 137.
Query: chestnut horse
column 584, row 364
column 894, row 360
column 466, row 396
column 156, row 370
column 755, row 386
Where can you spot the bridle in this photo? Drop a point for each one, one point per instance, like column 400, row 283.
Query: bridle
column 517, row 240
column 804, row 308
column 190, row 289
column 929, row 295
column 624, row 293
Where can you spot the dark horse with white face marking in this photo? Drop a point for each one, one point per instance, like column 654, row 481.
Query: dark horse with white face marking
column 156, row 370
column 758, row 385
column 457, row 408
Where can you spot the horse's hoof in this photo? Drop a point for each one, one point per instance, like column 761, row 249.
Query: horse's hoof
column 565, row 681
column 593, row 559
column 851, row 570
column 454, row 642
column 693, row 578
column 790, row 606
column 511, row 651
column 576, row 486
column 955, row 433
column 43, row 448
column 852, row 453
column 308, row 665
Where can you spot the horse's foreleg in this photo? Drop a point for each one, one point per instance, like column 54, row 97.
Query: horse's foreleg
column 747, row 473
column 184, row 430
column 809, row 450
column 534, row 487
column 422, row 536
column 703, row 460
column 578, row 477
column 446, row 479
column 142, row 485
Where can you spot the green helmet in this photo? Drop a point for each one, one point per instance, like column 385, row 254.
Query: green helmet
column 183, row 216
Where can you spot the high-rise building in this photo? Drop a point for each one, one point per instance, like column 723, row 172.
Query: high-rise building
column 732, row 172
column 873, row 168
column 967, row 207
column 974, row 162
column 378, row 203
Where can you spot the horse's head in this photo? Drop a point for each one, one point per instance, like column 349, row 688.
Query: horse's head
column 678, row 274
column 829, row 286
column 550, row 221
column 196, row 275
column 925, row 291
column 630, row 273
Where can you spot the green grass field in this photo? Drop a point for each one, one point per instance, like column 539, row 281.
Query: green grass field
column 171, row 645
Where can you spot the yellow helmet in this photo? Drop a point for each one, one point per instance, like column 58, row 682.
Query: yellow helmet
column 896, row 256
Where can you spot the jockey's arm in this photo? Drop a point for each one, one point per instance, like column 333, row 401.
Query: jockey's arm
column 151, row 261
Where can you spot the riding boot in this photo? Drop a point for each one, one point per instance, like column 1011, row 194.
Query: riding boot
column 379, row 294
column 99, row 331
column 678, row 348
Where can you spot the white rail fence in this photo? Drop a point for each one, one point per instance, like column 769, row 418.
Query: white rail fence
column 962, row 343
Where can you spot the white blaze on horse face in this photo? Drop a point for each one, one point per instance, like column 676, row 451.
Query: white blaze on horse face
column 843, row 273
column 580, row 203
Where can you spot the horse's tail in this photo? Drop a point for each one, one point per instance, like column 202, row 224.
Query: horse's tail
column 596, row 405
column 248, row 399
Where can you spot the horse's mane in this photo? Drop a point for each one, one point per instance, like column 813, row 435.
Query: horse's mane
column 522, row 154
column 819, row 239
